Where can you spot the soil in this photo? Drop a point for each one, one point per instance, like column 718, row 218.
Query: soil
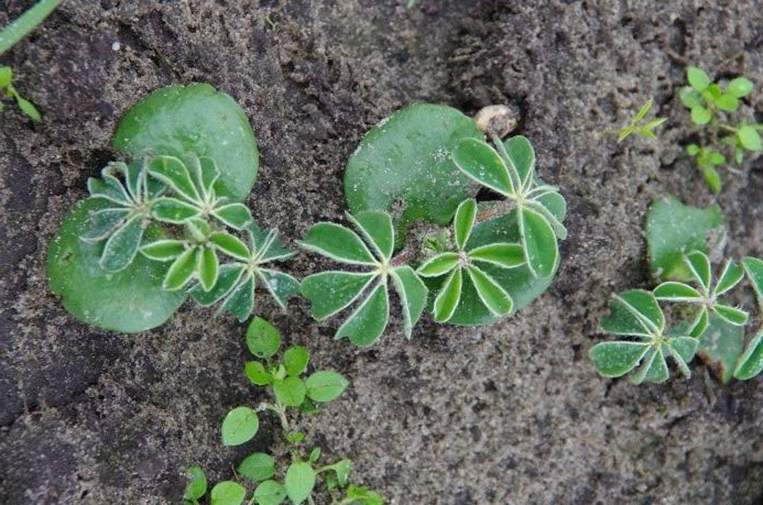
column 508, row 414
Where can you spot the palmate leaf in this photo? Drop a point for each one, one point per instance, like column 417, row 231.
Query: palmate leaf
column 698, row 264
column 192, row 184
column 463, row 264
column 637, row 313
column 511, row 172
column 331, row 292
column 236, row 282
column 123, row 222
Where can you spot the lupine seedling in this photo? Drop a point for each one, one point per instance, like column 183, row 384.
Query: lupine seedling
column 711, row 328
column 706, row 293
column 332, row 291
column 500, row 255
column 291, row 392
column 639, row 126
column 9, row 36
column 533, row 201
column 637, row 314
column 167, row 222
column 712, row 105
column 466, row 261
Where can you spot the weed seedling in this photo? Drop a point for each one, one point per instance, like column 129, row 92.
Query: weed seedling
column 712, row 106
column 291, row 393
column 640, row 126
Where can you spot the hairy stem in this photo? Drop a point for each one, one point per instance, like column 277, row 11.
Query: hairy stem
column 280, row 411
column 26, row 23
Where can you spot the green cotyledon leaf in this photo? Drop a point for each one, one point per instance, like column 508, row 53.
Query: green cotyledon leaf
column 131, row 300
column 406, row 160
column 197, row 119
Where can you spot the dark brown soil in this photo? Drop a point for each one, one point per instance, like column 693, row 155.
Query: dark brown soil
column 509, row 414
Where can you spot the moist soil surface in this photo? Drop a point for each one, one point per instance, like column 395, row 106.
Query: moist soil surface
column 508, row 414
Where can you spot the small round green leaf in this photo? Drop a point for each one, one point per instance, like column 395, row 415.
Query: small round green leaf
column 325, row 386
column 228, row 493
column 262, row 338
column 300, row 481
column 176, row 120
column 749, row 138
column 256, row 373
column 740, row 87
column 690, row 97
column 698, row 79
column 295, row 360
column 240, row 426
column 290, row 391
column 197, row 484
column 727, row 102
column 269, row 492
column 130, row 300
column 700, row 115
column 257, row 467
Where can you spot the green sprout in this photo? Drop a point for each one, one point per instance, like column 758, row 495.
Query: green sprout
column 711, row 106
column 9, row 91
column 331, row 292
column 466, row 261
column 291, row 392
column 706, row 295
column 709, row 326
column 235, row 285
column 9, row 36
column 533, row 201
column 636, row 313
column 640, row 127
